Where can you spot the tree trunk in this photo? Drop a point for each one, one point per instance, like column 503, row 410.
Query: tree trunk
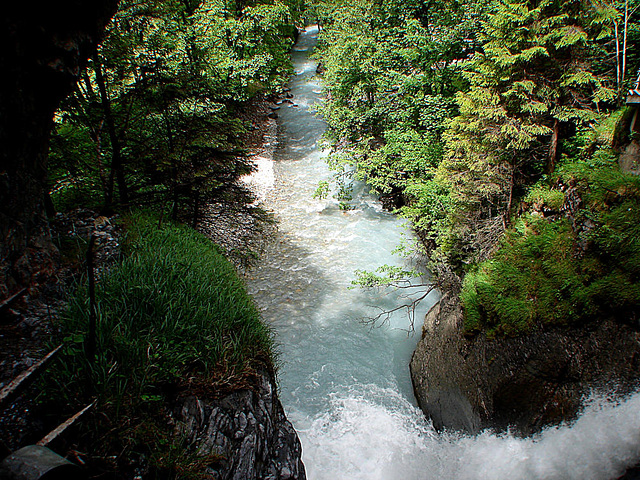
column 553, row 147
column 196, row 209
column 624, row 41
column 44, row 47
column 117, row 162
column 618, row 61
column 506, row 218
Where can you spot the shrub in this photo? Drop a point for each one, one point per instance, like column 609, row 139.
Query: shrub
column 564, row 270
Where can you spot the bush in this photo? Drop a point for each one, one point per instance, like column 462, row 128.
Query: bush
column 566, row 269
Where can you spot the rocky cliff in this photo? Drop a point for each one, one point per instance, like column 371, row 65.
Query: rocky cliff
column 246, row 431
column 528, row 382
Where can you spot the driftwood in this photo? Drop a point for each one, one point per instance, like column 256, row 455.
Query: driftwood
column 18, row 384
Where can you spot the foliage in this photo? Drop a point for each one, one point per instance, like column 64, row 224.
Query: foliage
column 173, row 314
column 384, row 276
column 531, row 86
column 74, row 168
column 392, row 69
column 545, row 198
column 475, row 121
column 565, row 270
column 157, row 112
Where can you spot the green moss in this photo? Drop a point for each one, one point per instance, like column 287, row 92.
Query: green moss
column 543, row 196
column 564, row 270
column 605, row 131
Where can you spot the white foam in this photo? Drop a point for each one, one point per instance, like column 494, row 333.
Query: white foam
column 375, row 434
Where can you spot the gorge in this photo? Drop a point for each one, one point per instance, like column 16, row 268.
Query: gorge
column 514, row 187
column 345, row 386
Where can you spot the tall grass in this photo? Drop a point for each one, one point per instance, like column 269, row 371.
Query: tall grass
column 173, row 316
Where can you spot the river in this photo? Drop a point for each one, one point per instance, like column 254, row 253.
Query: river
column 344, row 385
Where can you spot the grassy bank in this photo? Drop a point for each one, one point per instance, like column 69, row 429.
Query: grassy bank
column 172, row 319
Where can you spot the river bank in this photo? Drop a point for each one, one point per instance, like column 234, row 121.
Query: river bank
column 243, row 423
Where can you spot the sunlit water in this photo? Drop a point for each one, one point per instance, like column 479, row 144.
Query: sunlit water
column 345, row 386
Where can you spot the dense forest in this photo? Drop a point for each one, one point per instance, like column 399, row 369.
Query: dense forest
column 496, row 129
column 155, row 119
column 499, row 129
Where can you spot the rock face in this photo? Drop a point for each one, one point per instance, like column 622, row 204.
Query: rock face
column 247, row 432
column 526, row 382
column 630, row 158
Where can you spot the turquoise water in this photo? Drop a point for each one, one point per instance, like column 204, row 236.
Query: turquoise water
column 346, row 386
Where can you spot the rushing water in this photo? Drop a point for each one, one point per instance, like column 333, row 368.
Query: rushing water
column 345, row 386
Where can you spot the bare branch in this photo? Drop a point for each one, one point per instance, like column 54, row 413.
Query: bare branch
column 384, row 316
column 9, row 392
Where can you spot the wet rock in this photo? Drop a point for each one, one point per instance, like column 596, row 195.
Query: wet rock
column 527, row 382
column 246, row 431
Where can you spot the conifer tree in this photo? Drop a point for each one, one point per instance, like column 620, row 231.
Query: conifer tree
column 531, row 82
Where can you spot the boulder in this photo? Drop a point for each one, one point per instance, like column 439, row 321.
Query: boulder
column 524, row 383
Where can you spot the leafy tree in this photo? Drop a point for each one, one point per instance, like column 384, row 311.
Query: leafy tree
column 456, row 115
column 392, row 69
column 159, row 104
column 624, row 32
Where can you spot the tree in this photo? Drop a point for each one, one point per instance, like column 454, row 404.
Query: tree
column 45, row 45
column 392, row 68
column 619, row 15
column 531, row 85
column 161, row 97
